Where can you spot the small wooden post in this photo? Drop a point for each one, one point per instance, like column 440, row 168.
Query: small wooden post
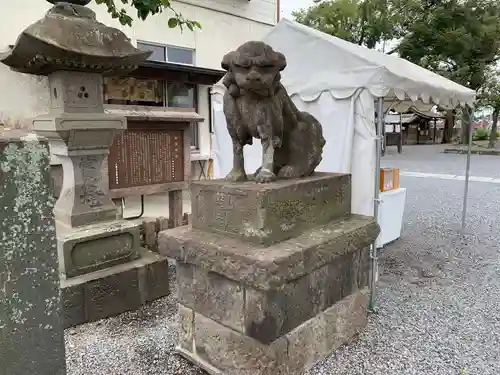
column 150, row 234
column 175, row 207
column 119, row 207
column 434, row 138
column 400, row 139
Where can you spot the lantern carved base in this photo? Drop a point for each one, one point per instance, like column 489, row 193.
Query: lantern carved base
column 114, row 290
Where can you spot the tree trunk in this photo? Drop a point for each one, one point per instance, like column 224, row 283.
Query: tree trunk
column 493, row 134
column 466, row 124
column 448, row 127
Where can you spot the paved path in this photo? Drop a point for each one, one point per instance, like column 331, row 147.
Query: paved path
column 432, row 159
column 492, row 180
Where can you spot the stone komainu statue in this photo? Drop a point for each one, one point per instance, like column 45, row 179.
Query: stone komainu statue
column 256, row 105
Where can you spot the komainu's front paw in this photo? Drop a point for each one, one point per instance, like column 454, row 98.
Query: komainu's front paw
column 236, row 176
column 264, row 176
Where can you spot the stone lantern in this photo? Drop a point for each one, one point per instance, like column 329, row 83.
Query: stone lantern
column 100, row 257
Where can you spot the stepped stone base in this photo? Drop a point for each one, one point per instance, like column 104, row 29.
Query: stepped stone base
column 222, row 351
column 114, row 290
column 277, row 299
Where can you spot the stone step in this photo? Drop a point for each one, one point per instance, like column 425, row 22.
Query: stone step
column 268, row 267
column 206, row 342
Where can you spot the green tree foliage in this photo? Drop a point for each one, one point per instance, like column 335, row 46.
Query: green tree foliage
column 459, row 39
column 489, row 95
column 146, row 8
column 366, row 22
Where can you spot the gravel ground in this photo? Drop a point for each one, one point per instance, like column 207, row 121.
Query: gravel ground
column 439, row 303
column 439, row 294
column 135, row 343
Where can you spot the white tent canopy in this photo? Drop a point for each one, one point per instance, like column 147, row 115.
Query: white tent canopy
column 333, row 64
column 338, row 82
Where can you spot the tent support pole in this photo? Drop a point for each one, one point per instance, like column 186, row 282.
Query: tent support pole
column 467, row 174
column 376, row 201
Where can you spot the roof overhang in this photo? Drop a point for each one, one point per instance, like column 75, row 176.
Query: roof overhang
column 178, row 72
column 426, row 114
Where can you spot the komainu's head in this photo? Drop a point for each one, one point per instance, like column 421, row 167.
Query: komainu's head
column 254, row 67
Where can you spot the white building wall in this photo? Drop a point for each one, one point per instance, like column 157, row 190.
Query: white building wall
column 225, row 25
column 23, row 96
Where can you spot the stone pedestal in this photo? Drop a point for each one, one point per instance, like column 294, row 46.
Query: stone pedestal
column 31, row 334
column 271, row 278
column 93, row 243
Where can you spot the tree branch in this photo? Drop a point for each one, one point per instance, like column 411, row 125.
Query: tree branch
column 395, row 49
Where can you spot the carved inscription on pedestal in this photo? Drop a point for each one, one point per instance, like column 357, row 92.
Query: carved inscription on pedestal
column 272, row 213
column 216, row 210
column 224, row 208
column 90, row 191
